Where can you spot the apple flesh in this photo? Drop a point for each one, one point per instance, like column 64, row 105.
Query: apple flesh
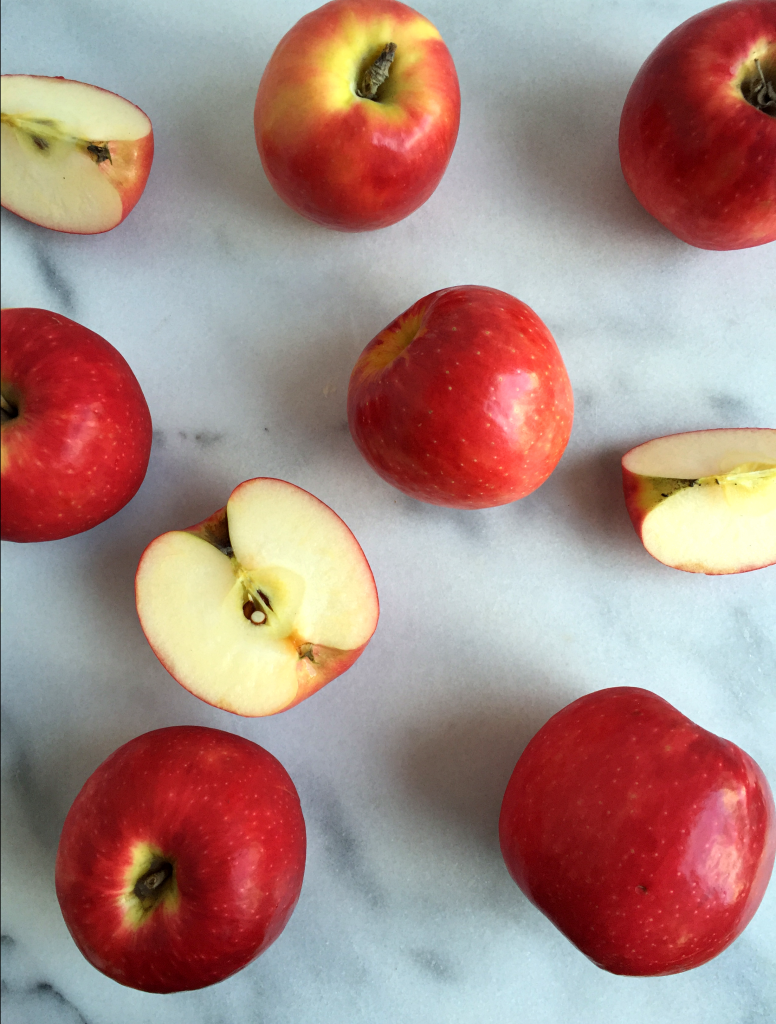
column 75, row 157
column 260, row 605
column 698, row 128
column 181, row 859
column 346, row 152
column 645, row 839
column 76, row 430
column 463, row 400
column 705, row 501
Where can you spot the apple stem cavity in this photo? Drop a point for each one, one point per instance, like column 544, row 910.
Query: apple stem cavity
column 150, row 887
column 760, row 91
column 43, row 131
column 376, row 73
column 8, row 410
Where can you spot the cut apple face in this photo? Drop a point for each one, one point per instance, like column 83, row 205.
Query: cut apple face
column 74, row 157
column 705, row 501
column 261, row 605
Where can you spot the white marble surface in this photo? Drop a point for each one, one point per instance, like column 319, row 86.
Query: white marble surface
column 242, row 322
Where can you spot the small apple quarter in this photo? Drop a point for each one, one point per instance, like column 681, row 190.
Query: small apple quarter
column 75, row 157
column 357, row 114
column 260, row 605
column 705, row 501
column 181, row 859
column 647, row 840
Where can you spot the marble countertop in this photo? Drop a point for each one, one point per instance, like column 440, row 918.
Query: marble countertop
column 242, row 322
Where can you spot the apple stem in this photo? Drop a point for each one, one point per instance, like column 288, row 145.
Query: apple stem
column 148, row 887
column 762, row 94
column 376, row 73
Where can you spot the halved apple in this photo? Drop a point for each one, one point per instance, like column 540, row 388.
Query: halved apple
column 74, row 157
column 705, row 501
column 260, row 605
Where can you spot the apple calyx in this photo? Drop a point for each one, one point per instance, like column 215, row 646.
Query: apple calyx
column 759, row 89
column 43, row 132
column 376, row 73
column 151, row 887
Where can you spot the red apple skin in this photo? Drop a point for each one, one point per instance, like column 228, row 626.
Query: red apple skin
column 127, row 169
column 349, row 165
column 694, row 152
column 645, row 839
column 463, row 400
column 78, row 449
column 226, row 814
column 215, row 529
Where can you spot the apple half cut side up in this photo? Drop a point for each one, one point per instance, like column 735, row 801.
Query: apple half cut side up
column 260, row 605
column 705, row 501
column 75, row 157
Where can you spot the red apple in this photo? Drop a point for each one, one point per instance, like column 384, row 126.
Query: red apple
column 262, row 604
column 76, row 433
column 463, row 400
column 645, row 839
column 705, row 501
column 181, row 859
column 74, row 157
column 340, row 142
column 698, row 129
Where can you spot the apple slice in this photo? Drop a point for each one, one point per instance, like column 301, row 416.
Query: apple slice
column 74, row 157
column 260, row 605
column 705, row 501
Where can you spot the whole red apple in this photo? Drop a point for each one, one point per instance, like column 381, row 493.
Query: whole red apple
column 181, row 859
column 645, row 839
column 76, row 432
column 74, row 157
column 463, row 400
column 698, row 129
column 357, row 114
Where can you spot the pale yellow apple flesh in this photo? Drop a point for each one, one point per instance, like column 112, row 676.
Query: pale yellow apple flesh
column 264, row 610
column 705, row 501
column 66, row 150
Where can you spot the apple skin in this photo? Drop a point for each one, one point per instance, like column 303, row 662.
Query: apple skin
column 645, row 839
column 225, row 814
column 345, row 162
column 78, row 449
column 128, row 169
column 463, row 400
column 330, row 663
column 694, row 152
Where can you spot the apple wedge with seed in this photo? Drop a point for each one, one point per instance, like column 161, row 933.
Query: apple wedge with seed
column 75, row 157
column 262, row 604
column 705, row 501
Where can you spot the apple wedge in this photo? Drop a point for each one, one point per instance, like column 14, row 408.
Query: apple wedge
column 74, row 157
column 705, row 501
column 260, row 605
